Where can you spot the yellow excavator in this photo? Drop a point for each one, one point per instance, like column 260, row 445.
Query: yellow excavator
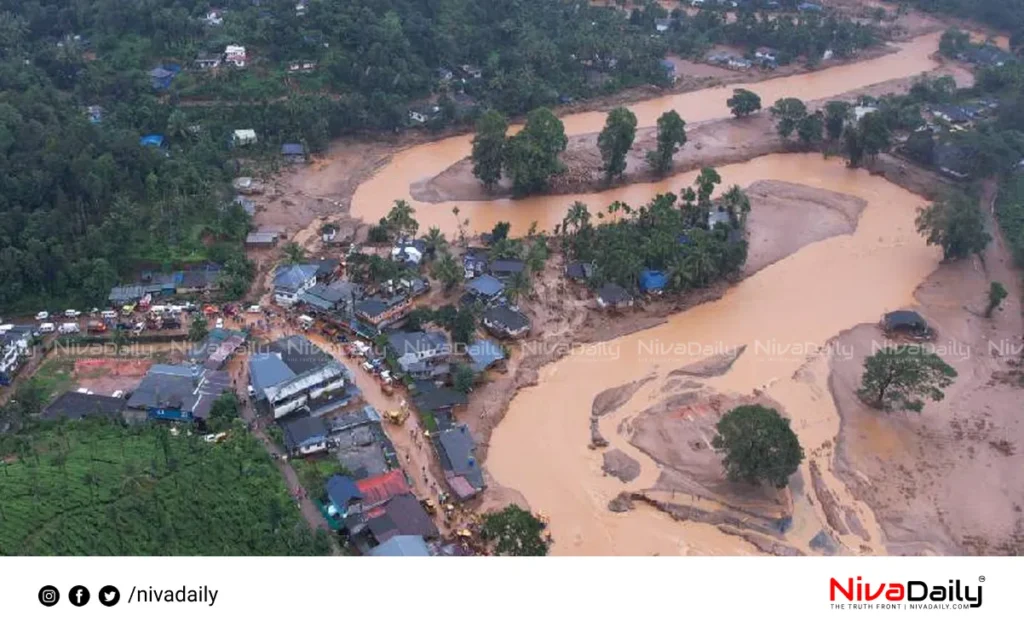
column 397, row 416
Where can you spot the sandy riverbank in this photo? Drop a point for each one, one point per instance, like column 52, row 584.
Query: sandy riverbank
column 710, row 144
column 945, row 481
column 784, row 218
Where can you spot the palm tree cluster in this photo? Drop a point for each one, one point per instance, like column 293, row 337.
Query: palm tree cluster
column 669, row 234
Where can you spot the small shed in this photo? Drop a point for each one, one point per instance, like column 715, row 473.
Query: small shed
column 613, row 296
column 907, row 322
column 241, row 138
column 293, row 152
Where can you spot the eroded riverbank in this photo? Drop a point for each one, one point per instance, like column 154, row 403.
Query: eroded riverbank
column 784, row 315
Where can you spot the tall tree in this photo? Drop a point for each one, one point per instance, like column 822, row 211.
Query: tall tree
column 788, row 113
column 671, row 138
column 489, row 147
column 810, row 128
column 759, row 446
column 902, row 377
column 837, row 113
column 955, row 223
column 743, row 102
column 401, row 218
column 615, row 140
column 531, row 156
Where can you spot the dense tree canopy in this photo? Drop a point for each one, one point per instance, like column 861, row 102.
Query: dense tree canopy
column 902, row 377
column 531, row 156
column 955, row 223
column 514, row 532
column 743, row 102
column 758, row 446
column 671, row 138
column 615, row 140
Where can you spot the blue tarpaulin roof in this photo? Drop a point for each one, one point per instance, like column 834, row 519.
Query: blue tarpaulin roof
column 341, row 490
column 652, row 280
column 152, row 140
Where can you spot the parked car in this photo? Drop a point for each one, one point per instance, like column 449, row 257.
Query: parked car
column 253, row 309
column 42, row 316
column 47, row 328
column 108, row 314
column 96, row 327
column 170, row 324
column 69, row 328
column 219, row 323
column 117, row 394
column 72, row 314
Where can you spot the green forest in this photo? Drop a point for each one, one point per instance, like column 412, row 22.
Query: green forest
column 97, row 488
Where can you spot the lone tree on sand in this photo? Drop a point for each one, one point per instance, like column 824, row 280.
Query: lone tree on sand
column 743, row 102
column 996, row 294
column 514, row 532
column 954, row 223
column 897, row 378
column 759, row 446
column 671, row 137
column 615, row 140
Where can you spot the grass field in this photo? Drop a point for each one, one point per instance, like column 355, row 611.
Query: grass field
column 97, row 488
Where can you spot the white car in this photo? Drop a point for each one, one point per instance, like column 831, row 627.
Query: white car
column 251, row 390
column 72, row 314
column 117, row 394
column 69, row 328
column 254, row 309
column 47, row 328
column 219, row 324
column 108, row 314
column 42, row 316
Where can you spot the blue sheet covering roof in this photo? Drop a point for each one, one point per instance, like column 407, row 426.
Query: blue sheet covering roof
column 651, row 280
column 341, row 491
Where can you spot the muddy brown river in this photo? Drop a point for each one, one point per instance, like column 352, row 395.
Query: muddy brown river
column 784, row 314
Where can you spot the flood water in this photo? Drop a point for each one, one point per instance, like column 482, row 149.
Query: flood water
column 374, row 198
column 782, row 312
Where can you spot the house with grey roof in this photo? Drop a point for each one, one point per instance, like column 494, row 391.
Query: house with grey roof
column 293, row 374
column 484, row 354
column 73, row 405
column 421, row 354
column 613, row 296
column 458, row 460
column 291, row 280
column 505, row 268
column 305, row 435
column 402, row 545
column 506, row 322
column 485, row 288
column 176, row 393
column 336, row 299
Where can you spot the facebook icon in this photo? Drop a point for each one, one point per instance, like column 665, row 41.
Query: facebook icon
column 79, row 596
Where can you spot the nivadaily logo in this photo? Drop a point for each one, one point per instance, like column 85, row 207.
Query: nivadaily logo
column 913, row 594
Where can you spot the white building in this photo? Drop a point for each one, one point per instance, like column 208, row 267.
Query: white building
column 235, row 55
column 294, row 373
column 241, row 138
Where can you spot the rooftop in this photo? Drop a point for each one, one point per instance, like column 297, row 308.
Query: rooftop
column 191, row 389
column 299, row 432
column 484, row 352
column 410, row 545
column 459, row 450
column 294, row 277
column 382, row 488
column 486, row 286
column 74, row 406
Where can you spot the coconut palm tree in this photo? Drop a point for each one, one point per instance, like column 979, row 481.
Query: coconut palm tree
column 292, row 253
column 400, row 218
column 435, row 242
column 518, row 285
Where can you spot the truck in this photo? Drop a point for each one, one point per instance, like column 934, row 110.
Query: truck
column 96, row 327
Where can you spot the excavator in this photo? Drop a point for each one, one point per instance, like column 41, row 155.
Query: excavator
column 397, row 416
